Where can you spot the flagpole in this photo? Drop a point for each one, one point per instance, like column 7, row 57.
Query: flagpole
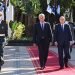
column 56, row 13
column 55, row 10
column 48, row 1
column 48, row 8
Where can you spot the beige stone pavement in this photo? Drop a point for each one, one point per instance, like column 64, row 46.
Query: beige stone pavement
column 17, row 61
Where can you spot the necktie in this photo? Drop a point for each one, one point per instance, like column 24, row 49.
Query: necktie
column 0, row 22
column 62, row 27
column 42, row 26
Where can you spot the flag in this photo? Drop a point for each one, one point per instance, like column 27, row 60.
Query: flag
column 48, row 1
column 1, row 6
column 58, row 7
column 49, row 10
column 54, row 9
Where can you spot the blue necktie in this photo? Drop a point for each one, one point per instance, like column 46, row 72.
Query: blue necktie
column 42, row 26
column 62, row 27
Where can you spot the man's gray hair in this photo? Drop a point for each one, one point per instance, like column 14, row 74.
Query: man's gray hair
column 62, row 17
column 42, row 15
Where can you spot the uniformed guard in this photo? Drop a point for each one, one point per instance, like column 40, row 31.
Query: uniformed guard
column 3, row 34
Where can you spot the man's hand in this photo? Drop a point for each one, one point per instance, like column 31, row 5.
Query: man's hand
column 50, row 44
column 71, row 42
column 34, row 45
column 56, row 43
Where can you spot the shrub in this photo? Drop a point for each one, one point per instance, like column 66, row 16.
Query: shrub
column 17, row 30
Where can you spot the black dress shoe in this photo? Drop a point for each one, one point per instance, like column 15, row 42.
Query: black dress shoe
column 42, row 68
column 1, row 61
column 66, row 66
column 0, row 68
column 69, row 57
column 61, row 68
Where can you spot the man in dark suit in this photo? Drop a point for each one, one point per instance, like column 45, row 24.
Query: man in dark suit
column 42, row 37
column 3, row 34
column 63, row 39
column 73, row 37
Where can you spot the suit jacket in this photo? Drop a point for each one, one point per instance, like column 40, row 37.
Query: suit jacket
column 39, row 34
column 62, row 35
column 72, row 30
column 4, row 28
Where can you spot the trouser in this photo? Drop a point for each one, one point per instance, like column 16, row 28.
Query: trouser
column 63, row 48
column 1, row 50
column 43, row 47
column 71, row 48
column 1, row 46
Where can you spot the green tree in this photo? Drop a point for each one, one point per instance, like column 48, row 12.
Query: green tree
column 26, row 12
column 65, row 4
column 27, row 6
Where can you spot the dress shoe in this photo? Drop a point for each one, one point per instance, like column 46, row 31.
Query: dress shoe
column 66, row 65
column 69, row 57
column 0, row 68
column 1, row 61
column 61, row 68
column 42, row 68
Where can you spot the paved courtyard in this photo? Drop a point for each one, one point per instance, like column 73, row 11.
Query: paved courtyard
column 18, row 61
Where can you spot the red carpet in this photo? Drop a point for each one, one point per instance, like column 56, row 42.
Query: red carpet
column 52, row 67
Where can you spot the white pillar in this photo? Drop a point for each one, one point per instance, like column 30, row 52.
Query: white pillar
column 48, row 1
column 71, row 19
column 10, row 13
column 9, row 16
